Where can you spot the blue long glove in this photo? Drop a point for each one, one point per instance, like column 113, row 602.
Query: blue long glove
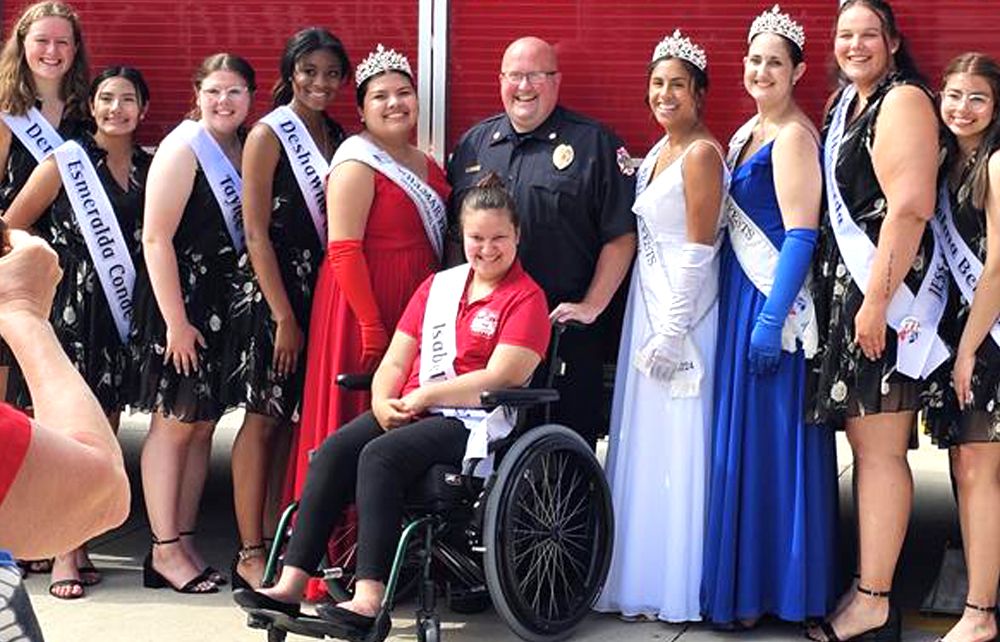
column 793, row 266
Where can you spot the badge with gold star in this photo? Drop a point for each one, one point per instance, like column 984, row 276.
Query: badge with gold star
column 562, row 156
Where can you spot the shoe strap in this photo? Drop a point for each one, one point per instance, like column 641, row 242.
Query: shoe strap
column 157, row 541
column 191, row 533
column 249, row 552
column 981, row 609
column 869, row 592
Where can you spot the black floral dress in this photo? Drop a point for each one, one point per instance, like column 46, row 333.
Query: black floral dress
column 947, row 424
column 842, row 381
column 81, row 316
column 206, row 265
column 253, row 382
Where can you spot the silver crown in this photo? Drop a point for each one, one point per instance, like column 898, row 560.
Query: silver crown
column 774, row 21
column 379, row 61
column 678, row 46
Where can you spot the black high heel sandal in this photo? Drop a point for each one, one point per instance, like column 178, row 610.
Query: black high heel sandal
column 982, row 609
column 889, row 631
column 209, row 572
column 153, row 579
column 248, row 552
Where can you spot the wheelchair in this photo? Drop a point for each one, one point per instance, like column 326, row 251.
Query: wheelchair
column 535, row 537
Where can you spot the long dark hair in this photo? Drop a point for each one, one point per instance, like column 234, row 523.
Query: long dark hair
column 903, row 59
column 987, row 68
column 301, row 44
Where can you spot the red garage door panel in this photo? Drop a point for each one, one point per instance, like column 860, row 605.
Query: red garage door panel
column 604, row 46
column 166, row 40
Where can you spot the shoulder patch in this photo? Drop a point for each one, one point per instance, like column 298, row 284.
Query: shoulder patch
column 625, row 163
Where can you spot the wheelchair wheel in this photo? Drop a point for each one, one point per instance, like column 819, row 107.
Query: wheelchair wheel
column 429, row 630
column 548, row 534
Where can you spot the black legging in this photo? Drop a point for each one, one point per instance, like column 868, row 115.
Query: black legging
column 387, row 463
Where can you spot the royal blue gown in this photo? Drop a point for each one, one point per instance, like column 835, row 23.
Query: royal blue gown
column 771, row 525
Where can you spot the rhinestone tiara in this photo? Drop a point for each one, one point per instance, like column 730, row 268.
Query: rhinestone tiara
column 379, row 61
column 678, row 46
column 774, row 21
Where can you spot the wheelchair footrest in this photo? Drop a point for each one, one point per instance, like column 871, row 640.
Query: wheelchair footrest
column 312, row 626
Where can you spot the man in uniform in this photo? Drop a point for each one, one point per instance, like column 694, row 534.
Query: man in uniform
column 573, row 184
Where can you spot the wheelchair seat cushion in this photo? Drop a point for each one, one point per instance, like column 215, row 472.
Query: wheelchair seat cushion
column 440, row 490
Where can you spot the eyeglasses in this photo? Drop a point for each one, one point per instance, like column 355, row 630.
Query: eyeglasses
column 974, row 101
column 533, row 77
column 232, row 93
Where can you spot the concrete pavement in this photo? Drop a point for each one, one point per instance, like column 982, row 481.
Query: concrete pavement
column 120, row 610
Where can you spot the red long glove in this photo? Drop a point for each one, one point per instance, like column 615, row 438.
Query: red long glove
column 351, row 271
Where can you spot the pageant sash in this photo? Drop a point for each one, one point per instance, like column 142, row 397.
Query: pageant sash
column 429, row 205
column 966, row 268
column 36, row 134
column 96, row 217
column 308, row 164
column 438, row 350
column 914, row 318
column 222, row 176
column 654, row 285
column 759, row 260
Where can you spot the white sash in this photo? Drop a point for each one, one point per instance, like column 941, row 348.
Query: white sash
column 759, row 260
column 438, row 350
column 308, row 164
column 429, row 204
column 654, row 284
column 35, row 133
column 966, row 268
column 222, row 176
column 914, row 318
column 99, row 226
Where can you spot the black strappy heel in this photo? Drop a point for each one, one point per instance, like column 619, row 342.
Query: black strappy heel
column 982, row 609
column 151, row 578
column 889, row 631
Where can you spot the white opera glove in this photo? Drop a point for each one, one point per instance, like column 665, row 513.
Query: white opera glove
column 660, row 356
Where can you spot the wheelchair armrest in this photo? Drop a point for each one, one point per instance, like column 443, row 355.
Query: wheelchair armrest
column 517, row 397
column 355, row 380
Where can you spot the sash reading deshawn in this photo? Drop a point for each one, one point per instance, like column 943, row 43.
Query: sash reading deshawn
column 99, row 225
column 914, row 318
column 308, row 164
column 429, row 205
column 36, row 134
column 225, row 181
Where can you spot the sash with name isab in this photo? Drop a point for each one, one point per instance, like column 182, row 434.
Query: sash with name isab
column 759, row 260
column 914, row 318
column 99, row 226
column 438, row 349
column 429, row 205
column 36, row 134
column 225, row 181
column 308, row 164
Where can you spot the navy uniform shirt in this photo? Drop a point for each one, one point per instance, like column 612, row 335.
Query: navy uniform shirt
column 573, row 184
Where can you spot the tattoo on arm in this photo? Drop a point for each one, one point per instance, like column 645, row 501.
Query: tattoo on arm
column 888, row 275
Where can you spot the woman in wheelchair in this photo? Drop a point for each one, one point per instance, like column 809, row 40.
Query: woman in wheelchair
column 479, row 326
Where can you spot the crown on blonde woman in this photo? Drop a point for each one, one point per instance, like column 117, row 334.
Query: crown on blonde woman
column 380, row 61
column 773, row 21
column 678, row 46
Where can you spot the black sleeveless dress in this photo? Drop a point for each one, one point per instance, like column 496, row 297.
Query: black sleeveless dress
column 946, row 423
column 206, row 265
column 842, row 381
column 253, row 381
column 80, row 315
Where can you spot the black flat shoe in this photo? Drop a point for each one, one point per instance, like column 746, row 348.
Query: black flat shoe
column 335, row 614
column 251, row 600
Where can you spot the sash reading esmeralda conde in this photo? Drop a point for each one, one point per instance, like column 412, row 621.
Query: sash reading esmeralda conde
column 308, row 164
column 914, row 318
column 96, row 217
column 429, row 205
column 966, row 268
column 438, row 349
column 654, row 281
column 37, row 135
column 758, row 259
column 222, row 176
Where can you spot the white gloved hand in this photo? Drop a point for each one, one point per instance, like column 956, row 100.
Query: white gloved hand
column 660, row 356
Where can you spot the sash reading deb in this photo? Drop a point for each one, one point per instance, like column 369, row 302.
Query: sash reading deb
column 36, row 134
column 97, row 221
column 308, row 164
column 438, row 350
column 914, row 318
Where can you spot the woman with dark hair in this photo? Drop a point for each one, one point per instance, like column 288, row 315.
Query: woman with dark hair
column 966, row 417
column 499, row 333
column 93, row 302
column 385, row 217
column 661, row 413
column 285, row 161
column 192, row 234
column 772, row 479
column 879, row 292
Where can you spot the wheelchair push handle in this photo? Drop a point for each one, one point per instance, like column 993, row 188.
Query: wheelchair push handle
column 355, row 380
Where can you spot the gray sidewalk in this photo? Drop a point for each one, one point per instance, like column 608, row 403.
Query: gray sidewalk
column 119, row 609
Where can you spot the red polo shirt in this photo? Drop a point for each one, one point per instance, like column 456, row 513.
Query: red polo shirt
column 15, row 435
column 515, row 313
